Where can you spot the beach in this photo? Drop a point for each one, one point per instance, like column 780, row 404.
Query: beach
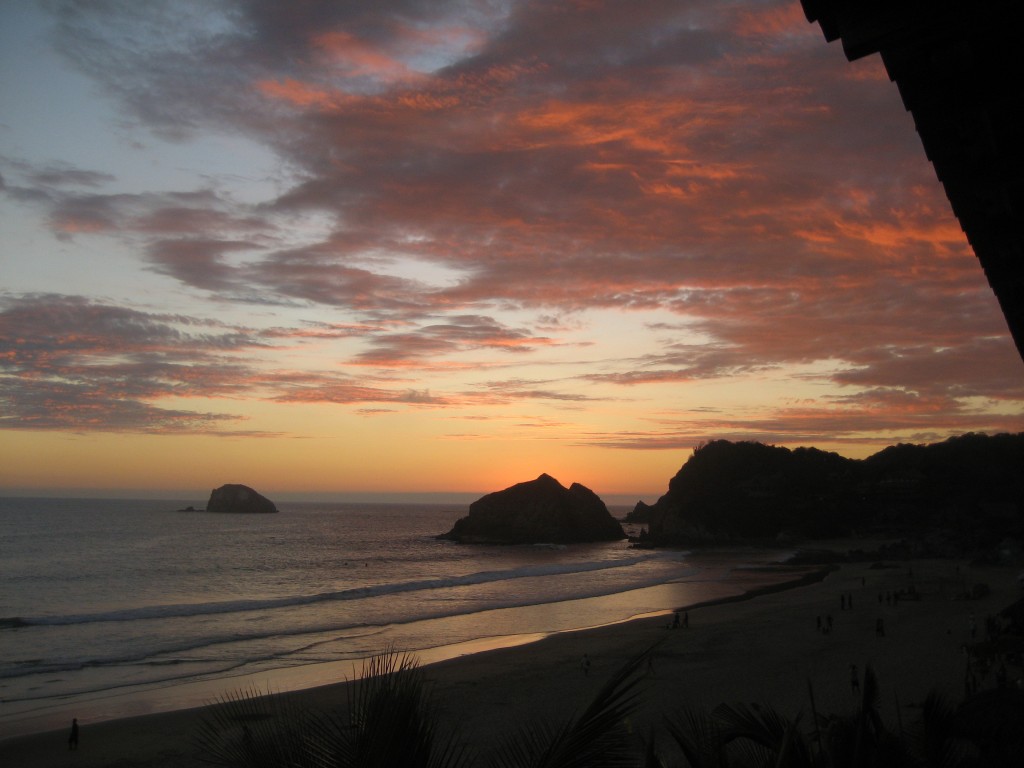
column 765, row 649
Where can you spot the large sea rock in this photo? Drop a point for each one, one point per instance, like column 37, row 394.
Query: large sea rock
column 536, row 512
column 238, row 499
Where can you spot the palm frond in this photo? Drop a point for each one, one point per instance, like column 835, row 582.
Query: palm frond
column 816, row 719
column 699, row 736
column 598, row 738
column 936, row 737
column 391, row 720
column 861, row 739
column 251, row 729
column 771, row 733
column 651, row 757
column 871, row 697
column 793, row 751
column 530, row 746
column 838, row 739
column 762, row 724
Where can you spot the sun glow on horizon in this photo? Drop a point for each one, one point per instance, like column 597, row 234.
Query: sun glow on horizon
column 345, row 251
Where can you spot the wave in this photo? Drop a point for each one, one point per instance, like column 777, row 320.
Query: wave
column 174, row 656
column 183, row 610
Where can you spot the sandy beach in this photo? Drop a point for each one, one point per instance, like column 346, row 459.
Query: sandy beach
column 763, row 649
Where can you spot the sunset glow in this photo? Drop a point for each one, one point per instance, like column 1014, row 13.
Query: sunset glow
column 346, row 248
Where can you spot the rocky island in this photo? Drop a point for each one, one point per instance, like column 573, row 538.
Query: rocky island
column 539, row 511
column 238, row 499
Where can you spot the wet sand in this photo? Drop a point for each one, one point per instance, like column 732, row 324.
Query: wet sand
column 763, row 649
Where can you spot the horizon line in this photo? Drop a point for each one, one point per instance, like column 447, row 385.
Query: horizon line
column 191, row 496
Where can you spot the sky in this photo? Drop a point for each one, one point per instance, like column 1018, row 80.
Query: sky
column 442, row 247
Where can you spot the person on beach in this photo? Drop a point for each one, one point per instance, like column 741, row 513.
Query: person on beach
column 73, row 737
column 675, row 621
column 585, row 665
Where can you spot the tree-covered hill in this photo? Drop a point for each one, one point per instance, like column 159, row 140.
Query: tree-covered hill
column 968, row 488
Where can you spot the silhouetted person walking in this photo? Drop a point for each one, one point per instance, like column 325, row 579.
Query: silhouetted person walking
column 73, row 737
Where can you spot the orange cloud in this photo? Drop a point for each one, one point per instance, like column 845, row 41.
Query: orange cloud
column 691, row 194
column 774, row 22
column 357, row 58
column 300, row 94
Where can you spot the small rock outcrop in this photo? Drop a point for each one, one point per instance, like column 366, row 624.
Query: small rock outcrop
column 239, row 499
column 641, row 513
column 540, row 511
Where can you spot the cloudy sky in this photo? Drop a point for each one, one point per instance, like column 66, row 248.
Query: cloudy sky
column 346, row 247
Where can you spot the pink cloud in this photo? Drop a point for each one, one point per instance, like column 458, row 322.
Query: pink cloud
column 358, row 58
column 715, row 161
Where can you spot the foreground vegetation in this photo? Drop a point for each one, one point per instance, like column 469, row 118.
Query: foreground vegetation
column 392, row 719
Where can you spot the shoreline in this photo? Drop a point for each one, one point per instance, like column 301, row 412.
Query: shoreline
column 301, row 679
column 507, row 626
column 758, row 646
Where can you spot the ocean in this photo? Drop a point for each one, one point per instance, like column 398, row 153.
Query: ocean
column 117, row 607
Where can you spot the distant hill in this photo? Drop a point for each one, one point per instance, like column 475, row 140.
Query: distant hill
column 967, row 490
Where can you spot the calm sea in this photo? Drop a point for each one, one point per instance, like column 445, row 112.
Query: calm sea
column 111, row 607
